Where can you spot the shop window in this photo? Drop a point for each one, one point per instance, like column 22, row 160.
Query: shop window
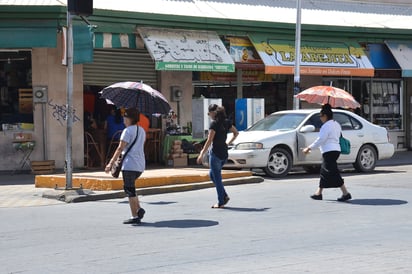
column 16, row 99
column 380, row 100
column 385, row 103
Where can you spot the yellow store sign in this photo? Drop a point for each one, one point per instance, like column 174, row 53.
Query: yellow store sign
column 317, row 58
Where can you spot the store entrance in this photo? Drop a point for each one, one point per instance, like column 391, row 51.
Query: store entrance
column 103, row 124
column 274, row 93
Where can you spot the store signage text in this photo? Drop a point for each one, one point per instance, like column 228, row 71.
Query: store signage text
column 314, row 57
column 185, row 66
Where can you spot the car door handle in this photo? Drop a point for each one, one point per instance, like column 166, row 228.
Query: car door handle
column 361, row 135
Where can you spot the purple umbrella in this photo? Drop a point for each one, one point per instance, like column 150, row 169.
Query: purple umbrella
column 136, row 95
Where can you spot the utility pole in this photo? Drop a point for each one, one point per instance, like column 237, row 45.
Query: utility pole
column 296, row 79
column 69, row 101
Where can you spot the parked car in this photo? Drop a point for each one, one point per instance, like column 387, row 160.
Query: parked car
column 275, row 143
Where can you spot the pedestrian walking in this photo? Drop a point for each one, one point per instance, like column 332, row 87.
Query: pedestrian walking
column 218, row 154
column 132, row 140
column 328, row 142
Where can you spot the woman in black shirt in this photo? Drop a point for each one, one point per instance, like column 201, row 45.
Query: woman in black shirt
column 218, row 155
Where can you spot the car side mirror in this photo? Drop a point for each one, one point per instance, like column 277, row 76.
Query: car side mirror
column 307, row 128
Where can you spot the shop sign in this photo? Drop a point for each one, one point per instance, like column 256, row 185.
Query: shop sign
column 317, row 58
column 247, row 76
column 186, row 66
column 243, row 51
column 187, row 50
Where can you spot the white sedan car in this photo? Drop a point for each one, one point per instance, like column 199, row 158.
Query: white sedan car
column 275, row 143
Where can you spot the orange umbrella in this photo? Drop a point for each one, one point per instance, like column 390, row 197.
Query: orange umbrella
column 336, row 97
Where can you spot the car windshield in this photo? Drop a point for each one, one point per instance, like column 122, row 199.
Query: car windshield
column 279, row 121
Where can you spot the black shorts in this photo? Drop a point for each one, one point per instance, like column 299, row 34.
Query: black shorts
column 129, row 179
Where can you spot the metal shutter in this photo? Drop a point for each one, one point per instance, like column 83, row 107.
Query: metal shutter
column 118, row 65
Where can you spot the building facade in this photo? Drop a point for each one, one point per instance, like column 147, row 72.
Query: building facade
column 116, row 44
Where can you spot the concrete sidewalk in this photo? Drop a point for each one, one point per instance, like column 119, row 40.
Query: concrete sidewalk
column 29, row 190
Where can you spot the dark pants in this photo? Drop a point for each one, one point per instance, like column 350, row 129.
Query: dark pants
column 129, row 178
column 215, row 173
column 329, row 172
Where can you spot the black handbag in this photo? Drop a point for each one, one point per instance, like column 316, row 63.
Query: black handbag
column 117, row 165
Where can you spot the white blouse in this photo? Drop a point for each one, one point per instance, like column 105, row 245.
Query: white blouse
column 328, row 139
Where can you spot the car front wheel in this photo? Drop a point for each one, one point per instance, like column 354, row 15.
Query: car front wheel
column 279, row 163
column 366, row 159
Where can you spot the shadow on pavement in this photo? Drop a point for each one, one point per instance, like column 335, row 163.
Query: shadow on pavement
column 345, row 173
column 377, row 202
column 246, row 209
column 186, row 223
column 149, row 203
column 160, row 203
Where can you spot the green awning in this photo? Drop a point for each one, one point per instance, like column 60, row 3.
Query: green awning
column 187, row 50
column 33, row 34
column 402, row 51
column 338, row 58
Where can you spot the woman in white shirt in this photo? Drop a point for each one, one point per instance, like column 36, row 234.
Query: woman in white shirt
column 132, row 136
column 328, row 143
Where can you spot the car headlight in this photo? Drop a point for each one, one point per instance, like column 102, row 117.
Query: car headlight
column 247, row 146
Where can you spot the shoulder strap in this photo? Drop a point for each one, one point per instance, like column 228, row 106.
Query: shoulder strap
column 134, row 141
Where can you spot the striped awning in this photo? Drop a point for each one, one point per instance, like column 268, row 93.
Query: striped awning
column 115, row 40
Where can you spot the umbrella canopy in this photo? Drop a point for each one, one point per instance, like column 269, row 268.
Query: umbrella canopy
column 136, row 95
column 336, row 97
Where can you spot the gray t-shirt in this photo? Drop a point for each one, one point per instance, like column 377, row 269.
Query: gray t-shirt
column 135, row 159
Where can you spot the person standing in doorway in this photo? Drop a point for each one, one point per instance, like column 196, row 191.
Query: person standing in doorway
column 113, row 123
column 328, row 142
column 218, row 155
column 133, row 137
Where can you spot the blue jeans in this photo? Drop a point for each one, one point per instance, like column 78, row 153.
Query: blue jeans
column 215, row 173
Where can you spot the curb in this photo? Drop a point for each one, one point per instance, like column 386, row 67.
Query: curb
column 100, row 182
column 84, row 195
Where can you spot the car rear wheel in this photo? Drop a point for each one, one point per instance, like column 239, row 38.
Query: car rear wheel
column 279, row 163
column 366, row 159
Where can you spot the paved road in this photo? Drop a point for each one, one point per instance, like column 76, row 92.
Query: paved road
column 271, row 227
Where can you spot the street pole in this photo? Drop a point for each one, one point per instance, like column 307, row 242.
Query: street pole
column 69, row 106
column 296, row 79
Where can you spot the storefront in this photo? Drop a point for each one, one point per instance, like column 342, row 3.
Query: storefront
column 178, row 53
column 382, row 96
column 32, row 90
column 178, row 65
column 248, row 81
column 368, row 71
column 116, row 58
